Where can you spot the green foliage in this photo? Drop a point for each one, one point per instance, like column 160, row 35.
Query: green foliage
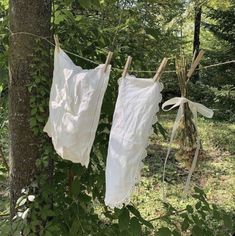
column 3, row 44
column 4, row 206
column 66, row 198
column 200, row 219
column 221, row 100
column 219, row 21
column 224, row 22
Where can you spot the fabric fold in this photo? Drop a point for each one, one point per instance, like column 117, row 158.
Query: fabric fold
column 74, row 107
column 135, row 112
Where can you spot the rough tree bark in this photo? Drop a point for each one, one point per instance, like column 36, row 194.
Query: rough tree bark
column 32, row 16
column 196, row 40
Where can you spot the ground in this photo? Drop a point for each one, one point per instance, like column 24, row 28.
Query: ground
column 215, row 171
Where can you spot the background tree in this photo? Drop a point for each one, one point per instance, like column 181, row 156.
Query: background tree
column 57, row 203
column 196, row 38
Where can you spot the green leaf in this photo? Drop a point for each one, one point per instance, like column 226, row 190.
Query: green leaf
column 96, row 3
column 117, row 213
column 169, row 208
column 75, row 188
column 196, row 231
column 1, row 88
column 198, row 205
column 135, row 226
column 176, row 233
column 48, row 233
column 85, row 3
column 59, row 17
column 124, row 219
column 78, row 18
column 152, row 32
column 147, row 223
column 135, row 212
column 163, row 232
column 162, row 130
column 74, row 228
column 200, row 191
column 39, row 118
column 33, row 122
column 21, row 201
column 196, row 219
column 34, row 111
column 185, row 225
column 189, row 209
column 208, row 232
column 67, row 2
column 25, row 213
column 41, row 109
column 228, row 221
column 68, row 15
column 26, row 231
column 84, row 198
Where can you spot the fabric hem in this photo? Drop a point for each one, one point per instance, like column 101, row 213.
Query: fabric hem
column 126, row 199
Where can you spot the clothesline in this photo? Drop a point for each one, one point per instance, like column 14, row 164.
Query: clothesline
column 115, row 68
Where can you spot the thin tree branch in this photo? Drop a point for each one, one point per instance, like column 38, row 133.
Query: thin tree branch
column 167, row 215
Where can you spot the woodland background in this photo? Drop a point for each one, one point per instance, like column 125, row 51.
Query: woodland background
column 43, row 195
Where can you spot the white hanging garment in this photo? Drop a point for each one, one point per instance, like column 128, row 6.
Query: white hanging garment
column 74, row 108
column 135, row 112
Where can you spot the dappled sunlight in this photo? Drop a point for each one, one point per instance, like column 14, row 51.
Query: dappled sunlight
column 214, row 173
column 179, row 53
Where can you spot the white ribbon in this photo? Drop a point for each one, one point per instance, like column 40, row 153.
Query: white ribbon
column 195, row 108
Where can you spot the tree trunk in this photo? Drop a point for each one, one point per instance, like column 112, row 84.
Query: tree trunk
column 32, row 16
column 196, row 40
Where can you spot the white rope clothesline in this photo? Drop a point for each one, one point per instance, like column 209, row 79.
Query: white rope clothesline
column 114, row 68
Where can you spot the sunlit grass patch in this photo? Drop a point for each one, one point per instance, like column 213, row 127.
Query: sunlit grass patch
column 215, row 173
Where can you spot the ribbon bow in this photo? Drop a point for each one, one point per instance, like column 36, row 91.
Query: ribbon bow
column 195, row 108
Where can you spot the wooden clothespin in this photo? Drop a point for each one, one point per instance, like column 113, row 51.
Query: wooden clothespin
column 127, row 66
column 108, row 60
column 195, row 63
column 57, row 43
column 160, row 69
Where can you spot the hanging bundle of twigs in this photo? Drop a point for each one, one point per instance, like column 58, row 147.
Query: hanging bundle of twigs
column 187, row 131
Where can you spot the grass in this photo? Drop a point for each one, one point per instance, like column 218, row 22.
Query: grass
column 214, row 174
